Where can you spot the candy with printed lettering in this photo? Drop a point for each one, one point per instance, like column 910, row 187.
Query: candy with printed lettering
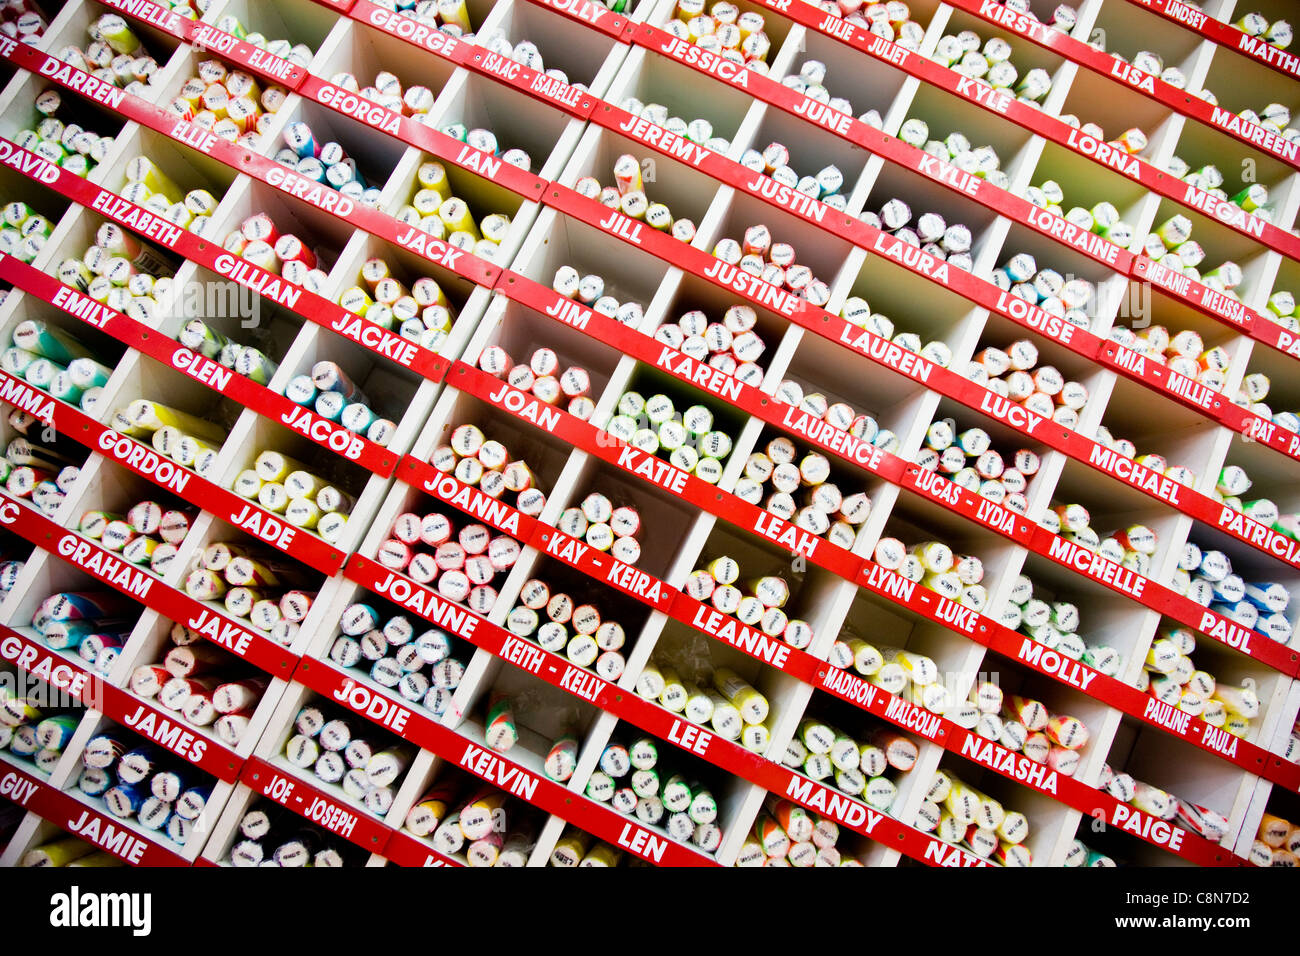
column 200, row 684
column 1253, row 393
column 287, row 487
column 787, row 834
column 699, row 131
column 69, row 852
column 185, row 439
column 1276, row 843
column 269, row 835
column 1205, row 576
column 249, row 582
column 147, row 534
column 958, row 151
column 434, row 210
column 811, row 80
column 592, row 292
column 751, row 605
column 48, row 357
column 525, row 53
column 1162, row 805
column 967, row 459
column 799, row 487
column 545, row 377
column 774, row 161
column 1202, row 370
column 474, row 824
column 687, row 438
column 1078, row 854
column 33, row 731
column 258, row 240
column 462, row 561
column 866, row 765
column 960, row 815
column 725, row 31
column 22, row 20
column 156, row 787
column 1171, row 677
column 930, row 232
column 578, row 848
column 1252, row 199
column 645, row 779
column 1103, row 219
column 123, row 273
column 1051, row 620
column 1022, row 725
column 471, row 459
column 602, row 524
column 716, row 698
column 58, row 134
column 350, row 753
column 729, row 343
column 421, row 664
column 1072, row 299
column 298, row 53
column 757, row 254
column 991, row 64
column 115, row 54
column 1015, row 374
column 38, row 472
column 629, row 196
column 325, row 162
column 571, row 626
column 417, row 308
column 936, row 566
column 889, row 21
column 232, row 105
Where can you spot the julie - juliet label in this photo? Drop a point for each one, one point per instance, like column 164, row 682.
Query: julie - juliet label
column 41, row 664
column 167, row 733
column 752, row 642
column 502, row 774
column 372, row 705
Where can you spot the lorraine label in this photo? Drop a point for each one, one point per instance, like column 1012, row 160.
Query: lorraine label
column 1089, row 243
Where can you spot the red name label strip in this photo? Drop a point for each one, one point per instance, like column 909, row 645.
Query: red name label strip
column 1175, row 11
column 330, row 814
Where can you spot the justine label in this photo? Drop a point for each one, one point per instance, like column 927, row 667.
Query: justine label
column 752, row 287
column 43, row 665
column 752, row 642
column 500, row 773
